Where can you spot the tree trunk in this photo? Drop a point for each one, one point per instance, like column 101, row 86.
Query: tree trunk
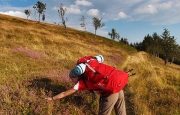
column 95, row 33
column 172, row 60
column 35, row 15
column 64, row 24
column 166, row 61
column 66, row 32
column 39, row 17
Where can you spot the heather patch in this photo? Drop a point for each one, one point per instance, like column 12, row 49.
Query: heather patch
column 57, row 74
column 4, row 94
column 29, row 53
column 114, row 59
column 64, row 75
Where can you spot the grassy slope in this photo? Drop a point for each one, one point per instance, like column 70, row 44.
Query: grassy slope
column 37, row 57
column 155, row 90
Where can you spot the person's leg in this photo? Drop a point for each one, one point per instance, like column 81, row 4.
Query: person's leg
column 120, row 107
column 107, row 103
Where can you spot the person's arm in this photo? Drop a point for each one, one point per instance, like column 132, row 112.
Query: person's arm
column 62, row 94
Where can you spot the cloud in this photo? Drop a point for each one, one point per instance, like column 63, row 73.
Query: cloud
column 148, row 9
column 83, row 3
column 157, row 12
column 15, row 13
column 122, row 15
column 93, row 12
column 165, row 5
column 73, row 9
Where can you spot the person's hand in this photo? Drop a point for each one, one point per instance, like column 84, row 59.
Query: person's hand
column 49, row 98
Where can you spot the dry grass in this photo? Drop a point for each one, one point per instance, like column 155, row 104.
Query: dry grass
column 155, row 88
column 36, row 59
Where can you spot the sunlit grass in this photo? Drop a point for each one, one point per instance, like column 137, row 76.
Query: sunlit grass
column 154, row 89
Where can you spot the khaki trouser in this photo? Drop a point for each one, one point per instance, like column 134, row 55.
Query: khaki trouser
column 115, row 101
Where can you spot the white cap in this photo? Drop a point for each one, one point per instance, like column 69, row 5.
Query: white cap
column 78, row 70
column 100, row 58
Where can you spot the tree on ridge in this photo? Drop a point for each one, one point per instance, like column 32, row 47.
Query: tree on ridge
column 97, row 24
column 27, row 12
column 62, row 12
column 40, row 7
column 114, row 34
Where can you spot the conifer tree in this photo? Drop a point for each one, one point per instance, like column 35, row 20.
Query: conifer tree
column 168, row 45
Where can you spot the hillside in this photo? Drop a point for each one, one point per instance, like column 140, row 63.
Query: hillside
column 36, row 59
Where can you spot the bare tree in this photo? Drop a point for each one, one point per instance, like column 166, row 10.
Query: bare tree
column 27, row 12
column 97, row 24
column 83, row 24
column 34, row 11
column 62, row 12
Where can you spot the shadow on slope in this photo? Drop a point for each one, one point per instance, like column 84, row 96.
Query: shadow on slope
column 129, row 101
column 53, row 87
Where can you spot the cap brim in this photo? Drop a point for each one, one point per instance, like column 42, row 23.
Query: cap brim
column 72, row 74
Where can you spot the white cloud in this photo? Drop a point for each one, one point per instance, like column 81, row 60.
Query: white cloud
column 165, row 5
column 157, row 12
column 73, row 9
column 93, row 12
column 122, row 15
column 15, row 13
column 148, row 9
column 83, row 3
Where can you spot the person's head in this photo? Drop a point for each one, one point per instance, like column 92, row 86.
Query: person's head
column 77, row 72
column 80, row 68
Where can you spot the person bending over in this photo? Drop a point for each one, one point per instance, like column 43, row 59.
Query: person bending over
column 91, row 73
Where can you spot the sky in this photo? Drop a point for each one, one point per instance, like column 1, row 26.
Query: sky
column 132, row 19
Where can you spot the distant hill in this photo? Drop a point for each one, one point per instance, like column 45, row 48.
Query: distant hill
column 36, row 58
